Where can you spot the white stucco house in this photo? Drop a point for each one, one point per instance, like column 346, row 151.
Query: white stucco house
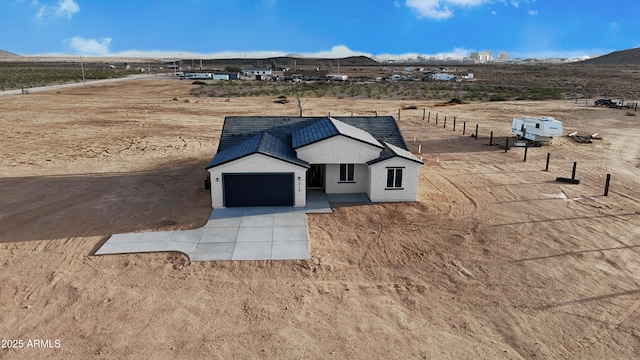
column 259, row 74
column 273, row 161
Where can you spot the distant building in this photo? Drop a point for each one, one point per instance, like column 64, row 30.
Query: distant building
column 220, row 77
column 483, row 56
column 260, row 74
column 502, row 56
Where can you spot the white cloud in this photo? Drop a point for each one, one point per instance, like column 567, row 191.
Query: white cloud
column 396, row 4
column 339, row 51
column 269, row 2
column 493, row 12
column 440, row 9
column 564, row 54
column 532, row 12
column 90, row 46
column 336, row 52
column 61, row 8
column 516, row 3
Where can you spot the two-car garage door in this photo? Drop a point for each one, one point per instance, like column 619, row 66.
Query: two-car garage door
column 258, row 189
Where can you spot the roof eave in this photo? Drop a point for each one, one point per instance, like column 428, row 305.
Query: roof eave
column 300, row 163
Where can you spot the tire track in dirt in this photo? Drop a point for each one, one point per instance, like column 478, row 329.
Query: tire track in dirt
column 448, row 197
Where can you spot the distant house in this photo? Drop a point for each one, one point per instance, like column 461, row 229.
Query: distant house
column 226, row 76
column 272, row 161
column 482, row 57
column 259, row 74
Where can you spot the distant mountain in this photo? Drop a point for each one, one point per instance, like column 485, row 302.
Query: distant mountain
column 286, row 61
column 7, row 54
column 623, row 57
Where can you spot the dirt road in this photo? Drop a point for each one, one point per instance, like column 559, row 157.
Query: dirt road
column 495, row 261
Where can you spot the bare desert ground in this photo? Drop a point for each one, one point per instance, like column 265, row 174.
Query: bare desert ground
column 495, row 261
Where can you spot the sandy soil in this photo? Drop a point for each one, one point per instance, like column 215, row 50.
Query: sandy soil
column 495, row 260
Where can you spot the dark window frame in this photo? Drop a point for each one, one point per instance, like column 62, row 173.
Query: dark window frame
column 394, row 178
column 347, row 173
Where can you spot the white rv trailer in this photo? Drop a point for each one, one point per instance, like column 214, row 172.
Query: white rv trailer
column 542, row 129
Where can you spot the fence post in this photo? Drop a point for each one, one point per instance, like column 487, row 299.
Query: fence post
column 429, row 117
column 464, row 127
column 491, row 139
column 454, row 123
column 424, row 111
column 476, row 131
column 398, row 114
column 606, row 185
column 573, row 172
column 506, row 145
column 526, row 147
column 546, row 168
column 376, row 113
column 436, row 118
column 445, row 121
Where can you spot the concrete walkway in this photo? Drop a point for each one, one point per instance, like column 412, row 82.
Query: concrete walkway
column 252, row 233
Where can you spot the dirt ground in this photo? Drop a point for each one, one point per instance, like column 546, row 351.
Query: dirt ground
column 495, row 261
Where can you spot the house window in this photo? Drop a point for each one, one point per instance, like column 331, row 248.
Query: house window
column 346, row 172
column 394, row 178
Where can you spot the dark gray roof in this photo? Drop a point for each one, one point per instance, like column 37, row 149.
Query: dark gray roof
column 239, row 129
column 325, row 128
column 262, row 143
column 316, row 131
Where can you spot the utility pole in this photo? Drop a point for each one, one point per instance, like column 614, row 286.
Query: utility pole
column 82, row 67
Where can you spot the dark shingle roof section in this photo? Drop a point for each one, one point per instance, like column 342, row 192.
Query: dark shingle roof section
column 245, row 132
column 318, row 130
column 261, row 142
column 382, row 128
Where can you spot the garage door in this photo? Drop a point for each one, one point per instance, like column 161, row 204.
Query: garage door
column 274, row 189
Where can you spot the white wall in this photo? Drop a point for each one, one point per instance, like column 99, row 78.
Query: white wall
column 378, row 182
column 258, row 163
column 334, row 186
column 338, row 150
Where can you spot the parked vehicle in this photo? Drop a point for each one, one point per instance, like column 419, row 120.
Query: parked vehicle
column 606, row 103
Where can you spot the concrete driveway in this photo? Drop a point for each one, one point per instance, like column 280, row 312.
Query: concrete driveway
column 254, row 233
column 251, row 233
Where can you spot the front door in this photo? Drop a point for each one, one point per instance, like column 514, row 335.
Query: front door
column 315, row 176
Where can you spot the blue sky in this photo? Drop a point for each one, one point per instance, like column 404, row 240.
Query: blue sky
column 333, row 28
